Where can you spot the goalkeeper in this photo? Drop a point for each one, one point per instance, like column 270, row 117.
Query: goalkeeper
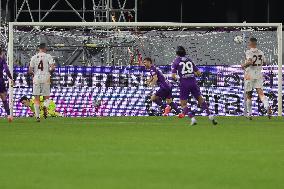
column 51, row 108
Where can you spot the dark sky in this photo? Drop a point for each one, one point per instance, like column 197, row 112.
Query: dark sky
column 211, row 10
column 170, row 10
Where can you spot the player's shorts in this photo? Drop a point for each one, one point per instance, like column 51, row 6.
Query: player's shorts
column 253, row 84
column 189, row 88
column 164, row 93
column 41, row 89
column 2, row 87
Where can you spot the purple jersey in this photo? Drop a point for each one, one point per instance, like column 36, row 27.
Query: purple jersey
column 185, row 68
column 162, row 81
column 4, row 66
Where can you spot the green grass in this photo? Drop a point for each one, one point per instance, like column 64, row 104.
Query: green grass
column 142, row 152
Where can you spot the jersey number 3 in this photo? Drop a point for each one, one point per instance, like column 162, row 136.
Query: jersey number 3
column 187, row 67
column 40, row 65
column 255, row 58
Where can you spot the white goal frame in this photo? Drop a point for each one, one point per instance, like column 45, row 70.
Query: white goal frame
column 148, row 24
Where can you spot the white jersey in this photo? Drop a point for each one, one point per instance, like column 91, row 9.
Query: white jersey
column 254, row 70
column 41, row 63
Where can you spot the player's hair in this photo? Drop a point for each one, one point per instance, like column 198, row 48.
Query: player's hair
column 42, row 46
column 148, row 59
column 1, row 50
column 253, row 39
column 24, row 98
column 180, row 51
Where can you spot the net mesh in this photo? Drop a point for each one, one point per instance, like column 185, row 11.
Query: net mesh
column 118, row 46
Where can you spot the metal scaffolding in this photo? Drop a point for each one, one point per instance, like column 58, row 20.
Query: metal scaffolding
column 101, row 10
column 83, row 10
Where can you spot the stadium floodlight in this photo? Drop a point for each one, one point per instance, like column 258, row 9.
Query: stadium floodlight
column 180, row 30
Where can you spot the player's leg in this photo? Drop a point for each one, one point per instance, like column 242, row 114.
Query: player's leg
column 186, row 111
column 184, row 93
column 157, row 99
column 264, row 100
column 195, row 91
column 37, row 107
column 202, row 103
column 204, row 106
column 248, row 91
column 171, row 106
column 52, row 110
column 46, row 95
column 249, row 104
column 36, row 93
column 3, row 96
column 258, row 85
column 170, row 103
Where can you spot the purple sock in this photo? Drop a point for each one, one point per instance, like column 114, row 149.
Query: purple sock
column 187, row 112
column 204, row 106
column 160, row 103
column 6, row 107
column 175, row 107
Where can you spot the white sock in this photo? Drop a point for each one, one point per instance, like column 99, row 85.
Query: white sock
column 265, row 102
column 249, row 106
column 36, row 106
column 211, row 117
column 46, row 103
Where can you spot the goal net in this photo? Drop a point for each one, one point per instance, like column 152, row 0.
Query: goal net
column 99, row 68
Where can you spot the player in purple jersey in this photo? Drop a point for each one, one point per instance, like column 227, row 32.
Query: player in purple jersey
column 187, row 70
column 165, row 88
column 3, row 90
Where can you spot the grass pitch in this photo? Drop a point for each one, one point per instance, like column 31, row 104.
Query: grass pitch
column 142, row 152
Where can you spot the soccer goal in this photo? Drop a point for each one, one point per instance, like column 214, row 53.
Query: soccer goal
column 99, row 64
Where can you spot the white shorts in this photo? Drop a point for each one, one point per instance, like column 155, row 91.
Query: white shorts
column 253, row 84
column 41, row 89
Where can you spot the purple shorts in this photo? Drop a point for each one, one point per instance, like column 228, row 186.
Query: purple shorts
column 164, row 93
column 187, row 88
column 2, row 87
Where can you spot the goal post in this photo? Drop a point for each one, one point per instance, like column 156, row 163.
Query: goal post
column 277, row 26
column 280, row 79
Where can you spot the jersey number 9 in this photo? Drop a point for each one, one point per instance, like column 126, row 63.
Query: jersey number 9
column 187, row 67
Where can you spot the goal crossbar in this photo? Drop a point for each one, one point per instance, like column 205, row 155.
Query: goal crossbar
column 145, row 24
column 149, row 24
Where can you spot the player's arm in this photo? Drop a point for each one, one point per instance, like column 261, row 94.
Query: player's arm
column 264, row 61
column 174, row 70
column 51, row 64
column 248, row 62
column 7, row 70
column 149, row 80
column 52, row 67
column 31, row 70
column 174, row 76
column 154, row 80
column 31, row 67
column 196, row 71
